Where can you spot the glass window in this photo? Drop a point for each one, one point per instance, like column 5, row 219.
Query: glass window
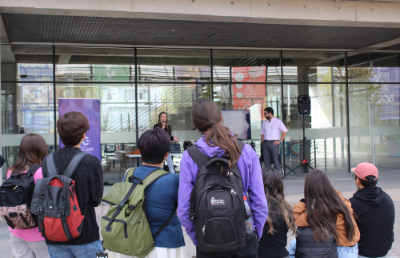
column 373, row 67
column 253, row 98
column 304, row 66
column 118, row 122
column 173, row 65
column 374, row 124
column 32, row 63
column 94, row 64
column 246, row 66
column 325, row 127
column 26, row 108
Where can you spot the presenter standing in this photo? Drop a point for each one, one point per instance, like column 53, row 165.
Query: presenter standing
column 271, row 138
column 163, row 124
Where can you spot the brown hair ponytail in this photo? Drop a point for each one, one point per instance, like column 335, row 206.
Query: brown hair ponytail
column 206, row 118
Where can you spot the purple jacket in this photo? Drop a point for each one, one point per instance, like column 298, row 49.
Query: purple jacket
column 250, row 169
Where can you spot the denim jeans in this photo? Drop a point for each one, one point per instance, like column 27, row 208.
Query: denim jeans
column 75, row 251
column 343, row 251
column 170, row 164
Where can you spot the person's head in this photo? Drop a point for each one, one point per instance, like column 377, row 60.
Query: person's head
column 207, row 118
column 277, row 206
column 365, row 175
column 32, row 151
column 72, row 128
column 154, row 146
column 163, row 117
column 323, row 205
column 268, row 113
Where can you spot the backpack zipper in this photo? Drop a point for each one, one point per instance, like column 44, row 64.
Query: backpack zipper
column 204, row 230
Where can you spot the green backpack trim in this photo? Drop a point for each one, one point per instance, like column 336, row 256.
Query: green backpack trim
column 125, row 228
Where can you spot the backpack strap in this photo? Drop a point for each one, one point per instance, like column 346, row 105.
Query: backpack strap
column 69, row 171
column 165, row 224
column 241, row 144
column 73, row 164
column 51, row 165
column 32, row 170
column 149, row 180
column 199, row 157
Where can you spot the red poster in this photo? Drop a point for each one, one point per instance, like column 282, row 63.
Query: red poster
column 247, row 94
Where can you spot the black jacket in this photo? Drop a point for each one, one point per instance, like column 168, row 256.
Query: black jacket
column 274, row 245
column 169, row 131
column 375, row 218
column 89, row 190
column 306, row 246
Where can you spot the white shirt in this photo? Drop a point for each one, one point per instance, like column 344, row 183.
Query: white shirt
column 272, row 130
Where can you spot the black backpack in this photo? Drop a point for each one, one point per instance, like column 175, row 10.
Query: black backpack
column 16, row 195
column 216, row 204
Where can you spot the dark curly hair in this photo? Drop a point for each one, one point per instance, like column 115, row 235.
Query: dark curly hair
column 277, row 206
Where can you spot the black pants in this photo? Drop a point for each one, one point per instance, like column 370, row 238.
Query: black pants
column 249, row 251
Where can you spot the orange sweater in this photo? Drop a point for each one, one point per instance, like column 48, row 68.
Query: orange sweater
column 300, row 214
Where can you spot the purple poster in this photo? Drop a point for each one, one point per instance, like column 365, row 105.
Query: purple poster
column 91, row 109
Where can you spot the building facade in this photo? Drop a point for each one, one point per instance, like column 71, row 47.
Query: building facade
column 140, row 60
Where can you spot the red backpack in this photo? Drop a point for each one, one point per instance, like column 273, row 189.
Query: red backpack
column 55, row 202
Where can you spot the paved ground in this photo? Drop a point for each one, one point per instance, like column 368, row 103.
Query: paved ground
column 294, row 185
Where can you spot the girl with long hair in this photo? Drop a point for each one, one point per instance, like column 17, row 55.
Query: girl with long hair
column 329, row 217
column 29, row 242
column 163, row 124
column 217, row 140
column 280, row 219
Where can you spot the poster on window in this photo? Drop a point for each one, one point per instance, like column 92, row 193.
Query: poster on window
column 91, row 109
column 245, row 94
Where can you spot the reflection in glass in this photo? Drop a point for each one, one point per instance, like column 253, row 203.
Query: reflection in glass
column 303, row 66
column 169, row 65
column 26, row 108
column 325, row 127
column 95, row 64
column 374, row 124
column 259, row 66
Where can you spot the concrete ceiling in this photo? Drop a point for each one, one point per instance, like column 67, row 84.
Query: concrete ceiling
column 151, row 32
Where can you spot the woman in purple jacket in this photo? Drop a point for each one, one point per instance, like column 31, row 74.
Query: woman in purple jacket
column 218, row 140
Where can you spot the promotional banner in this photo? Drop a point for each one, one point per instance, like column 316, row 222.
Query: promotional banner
column 91, row 109
column 246, row 94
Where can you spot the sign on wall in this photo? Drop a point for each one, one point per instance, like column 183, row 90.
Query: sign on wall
column 246, row 94
column 91, row 109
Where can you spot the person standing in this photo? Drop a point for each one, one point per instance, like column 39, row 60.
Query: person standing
column 88, row 177
column 29, row 243
column 271, row 138
column 217, row 140
column 375, row 212
column 163, row 124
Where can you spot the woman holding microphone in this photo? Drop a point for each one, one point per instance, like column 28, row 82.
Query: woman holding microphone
column 163, row 124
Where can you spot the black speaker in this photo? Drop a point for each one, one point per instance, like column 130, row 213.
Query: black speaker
column 304, row 104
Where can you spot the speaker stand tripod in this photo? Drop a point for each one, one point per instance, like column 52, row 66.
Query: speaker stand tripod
column 304, row 163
